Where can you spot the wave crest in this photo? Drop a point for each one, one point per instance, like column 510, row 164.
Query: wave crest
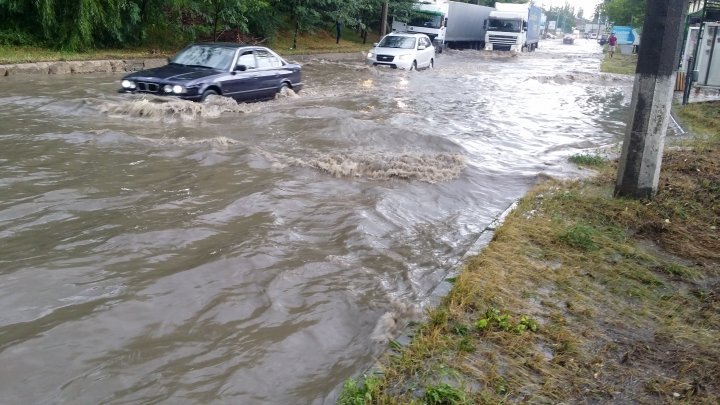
column 430, row 168
column 174, row 108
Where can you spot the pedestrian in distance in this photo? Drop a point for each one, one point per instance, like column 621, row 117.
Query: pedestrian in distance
column 612, row 44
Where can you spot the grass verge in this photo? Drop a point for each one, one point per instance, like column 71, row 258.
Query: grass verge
column 619, row 63
column 580, row 297
column 307, row 43
column 26, row 54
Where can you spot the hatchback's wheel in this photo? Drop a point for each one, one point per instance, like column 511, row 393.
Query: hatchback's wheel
column 414, row 65
column 208, row 93
column 432, row 64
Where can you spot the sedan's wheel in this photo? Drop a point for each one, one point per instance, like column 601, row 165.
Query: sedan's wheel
column 414, row 65
column 208, row 93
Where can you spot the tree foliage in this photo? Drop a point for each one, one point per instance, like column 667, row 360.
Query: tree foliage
column 564, row 16
column 83, row 24
column 624, row 12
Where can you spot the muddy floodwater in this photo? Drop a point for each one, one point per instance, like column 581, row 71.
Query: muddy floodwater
column 164, row 251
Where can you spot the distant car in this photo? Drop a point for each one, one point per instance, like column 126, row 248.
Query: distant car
column 550, row 36
column 404, row 51
column 592, row 35
column 568, row 39
column 243, row 72
column 602, row 40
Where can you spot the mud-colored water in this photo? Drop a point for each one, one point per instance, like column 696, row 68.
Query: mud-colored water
column 163, row 251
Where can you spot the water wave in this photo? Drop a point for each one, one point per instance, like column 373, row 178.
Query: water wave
column 392, row 322
column 581, row 77
column 430, row 168
column 286, row 92
column 174, row 108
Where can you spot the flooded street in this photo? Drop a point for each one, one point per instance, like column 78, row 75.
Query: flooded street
column 158, row 251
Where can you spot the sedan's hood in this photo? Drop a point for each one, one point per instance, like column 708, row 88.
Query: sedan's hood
column 173, row 73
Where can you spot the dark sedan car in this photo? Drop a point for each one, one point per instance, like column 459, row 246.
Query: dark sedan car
column 243, row 72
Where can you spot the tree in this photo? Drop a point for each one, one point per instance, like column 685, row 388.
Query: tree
column 624, row 12
column 565, row 17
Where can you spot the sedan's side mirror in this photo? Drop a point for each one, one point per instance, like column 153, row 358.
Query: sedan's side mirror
column 241, row 68
column 375, row 44
column 421, row 47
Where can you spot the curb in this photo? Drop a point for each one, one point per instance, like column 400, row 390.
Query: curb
column 80, row 67
column 444, row 287
column 133, row 65
column 484, row 239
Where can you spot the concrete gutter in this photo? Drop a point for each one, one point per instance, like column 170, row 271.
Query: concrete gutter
column 133, row 65
column 80, row 67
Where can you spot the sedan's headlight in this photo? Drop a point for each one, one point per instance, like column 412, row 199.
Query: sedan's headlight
column 128, row 84
column 177, row 89
column 404, row 57
column 370, row 55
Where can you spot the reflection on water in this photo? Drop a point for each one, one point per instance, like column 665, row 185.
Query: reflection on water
column 159, row 250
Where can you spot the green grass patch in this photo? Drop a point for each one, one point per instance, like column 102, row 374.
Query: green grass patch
column 25, row 54
column 580, row 237
column 444, row 394
column 701, row 118
column 619, row 64
column 587, row 160
column 360, row 392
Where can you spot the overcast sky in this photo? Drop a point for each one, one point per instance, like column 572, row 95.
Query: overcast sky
column 588, row 6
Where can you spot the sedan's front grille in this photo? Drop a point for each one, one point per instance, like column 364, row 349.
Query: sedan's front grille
column 385, row 58
column 148, row 87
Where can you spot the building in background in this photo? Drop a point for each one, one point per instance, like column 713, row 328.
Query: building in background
column 700, row 61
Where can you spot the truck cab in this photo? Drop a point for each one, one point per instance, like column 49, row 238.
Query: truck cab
column 513, row 27
column 429, row 19
column 506, row 31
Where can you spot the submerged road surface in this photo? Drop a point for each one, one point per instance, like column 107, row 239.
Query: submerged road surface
column 155, row 250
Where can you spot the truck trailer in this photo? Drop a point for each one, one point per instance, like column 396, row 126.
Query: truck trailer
column 514, row 27
column 449, row 24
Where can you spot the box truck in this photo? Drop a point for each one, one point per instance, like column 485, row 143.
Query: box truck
column 449, row 24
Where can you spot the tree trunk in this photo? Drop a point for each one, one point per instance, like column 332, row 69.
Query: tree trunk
column 295, row 34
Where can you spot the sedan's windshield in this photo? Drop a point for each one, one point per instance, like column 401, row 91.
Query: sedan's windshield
column 397, row 42
column 205, row 56
column 504, row 25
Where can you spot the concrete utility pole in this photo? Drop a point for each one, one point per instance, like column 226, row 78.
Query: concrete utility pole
column 641, row 158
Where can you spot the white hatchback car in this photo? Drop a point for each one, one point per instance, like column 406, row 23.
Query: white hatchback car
column 404, row 51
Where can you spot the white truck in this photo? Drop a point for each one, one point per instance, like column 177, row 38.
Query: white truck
column 449, row 24
column 514, row 27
